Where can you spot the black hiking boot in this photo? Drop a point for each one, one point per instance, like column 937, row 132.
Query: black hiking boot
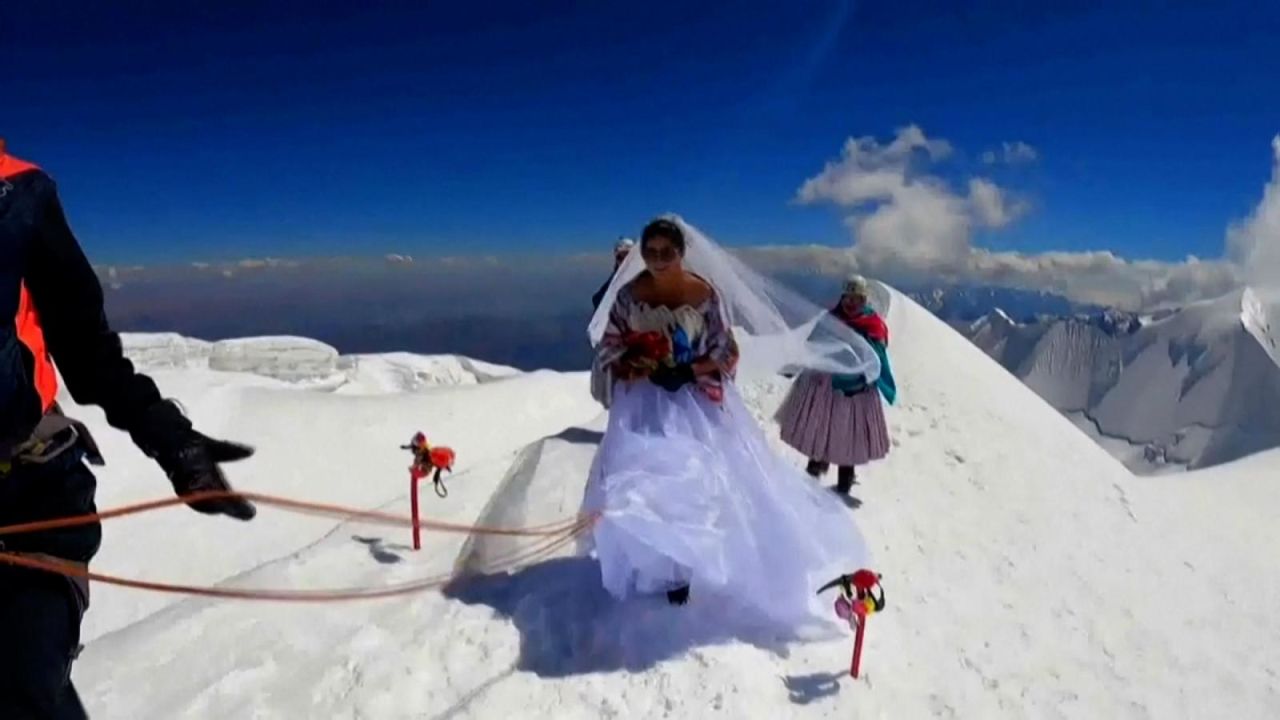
column 679, row 596
column 845, row 479
column 816, row 468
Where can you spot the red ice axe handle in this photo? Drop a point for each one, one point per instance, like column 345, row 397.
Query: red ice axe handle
column 856, row 665
column 857, row 590
column 414, row 476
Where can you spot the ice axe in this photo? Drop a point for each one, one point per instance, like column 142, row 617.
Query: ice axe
column 861, row 595
column 426, row 459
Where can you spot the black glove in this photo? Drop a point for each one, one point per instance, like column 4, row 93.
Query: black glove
column 672, row 378
column 191, row 459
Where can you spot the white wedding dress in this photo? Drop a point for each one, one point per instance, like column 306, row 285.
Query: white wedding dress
column 689, row 492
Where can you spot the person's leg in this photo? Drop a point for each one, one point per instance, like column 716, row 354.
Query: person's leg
column 39, row 638
column 845, row 479
column 40, row 613
column 817, row 468
column 678, row 594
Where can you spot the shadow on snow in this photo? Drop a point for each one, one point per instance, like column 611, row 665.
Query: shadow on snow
column 569, row 624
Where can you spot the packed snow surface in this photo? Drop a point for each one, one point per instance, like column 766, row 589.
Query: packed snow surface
column 1028, row 573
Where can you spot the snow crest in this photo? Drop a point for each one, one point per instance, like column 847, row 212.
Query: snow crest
column 291, row 359
column 301, row 361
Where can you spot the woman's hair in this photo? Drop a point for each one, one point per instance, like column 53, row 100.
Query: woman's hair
column 663, row 228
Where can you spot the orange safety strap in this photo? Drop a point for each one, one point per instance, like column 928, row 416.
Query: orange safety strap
column 28, row 320
column 32, row 335
column 10, row 166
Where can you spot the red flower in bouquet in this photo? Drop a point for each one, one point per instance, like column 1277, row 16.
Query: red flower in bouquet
column 646, row 350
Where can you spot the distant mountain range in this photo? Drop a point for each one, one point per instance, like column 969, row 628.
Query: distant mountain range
column 1187, row 388
column 957, row 304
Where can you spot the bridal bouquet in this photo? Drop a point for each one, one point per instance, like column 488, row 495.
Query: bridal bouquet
column 646, row 351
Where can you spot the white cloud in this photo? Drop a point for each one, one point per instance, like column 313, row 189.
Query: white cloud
column 868, row 171
column 1102, row 277
column 910, row 225
column 1254, row 243
column 900, row 215
column 1094, row 277
column 1011, row 153
column 991, row 205
column 923, row 223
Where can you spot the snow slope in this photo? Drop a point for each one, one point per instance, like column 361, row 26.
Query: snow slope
column 1195, row 388
column 326, row 442
column 1028, row 573
column 1221, row 523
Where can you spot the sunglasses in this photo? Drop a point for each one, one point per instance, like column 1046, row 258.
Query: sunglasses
column 664, row 254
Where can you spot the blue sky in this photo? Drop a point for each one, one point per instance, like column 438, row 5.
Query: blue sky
column 230, row 129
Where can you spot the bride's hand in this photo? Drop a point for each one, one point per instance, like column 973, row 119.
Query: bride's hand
column 629, row 372
column 705, row 366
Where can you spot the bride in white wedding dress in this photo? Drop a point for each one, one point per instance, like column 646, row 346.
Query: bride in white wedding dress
column 691, row 499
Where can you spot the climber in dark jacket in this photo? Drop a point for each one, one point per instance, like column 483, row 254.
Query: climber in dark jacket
column 51, row 310
column 620, row 251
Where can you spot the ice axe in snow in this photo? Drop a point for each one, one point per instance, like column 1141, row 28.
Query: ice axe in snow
column 426, row 461
column 858, row 600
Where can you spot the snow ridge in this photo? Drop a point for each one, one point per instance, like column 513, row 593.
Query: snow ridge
column 1260, row 320
column 1187, row 389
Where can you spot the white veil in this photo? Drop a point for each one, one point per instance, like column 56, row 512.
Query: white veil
column 777, row 330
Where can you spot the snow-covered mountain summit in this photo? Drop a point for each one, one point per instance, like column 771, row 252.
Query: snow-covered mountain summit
column 1028, row 573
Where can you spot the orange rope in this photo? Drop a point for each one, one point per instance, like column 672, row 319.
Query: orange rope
column 301, row 506
column 335, row 595
column 552, row 537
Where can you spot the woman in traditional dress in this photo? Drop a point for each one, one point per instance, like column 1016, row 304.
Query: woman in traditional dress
column 838, row 418
column 689, row 495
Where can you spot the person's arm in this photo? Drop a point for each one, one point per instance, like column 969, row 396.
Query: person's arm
column 722, row 348
column 599, row 296
column 613, row 348
column 69, row 299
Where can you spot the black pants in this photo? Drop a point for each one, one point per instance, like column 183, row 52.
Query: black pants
column 40, row 612
column 844, row 474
